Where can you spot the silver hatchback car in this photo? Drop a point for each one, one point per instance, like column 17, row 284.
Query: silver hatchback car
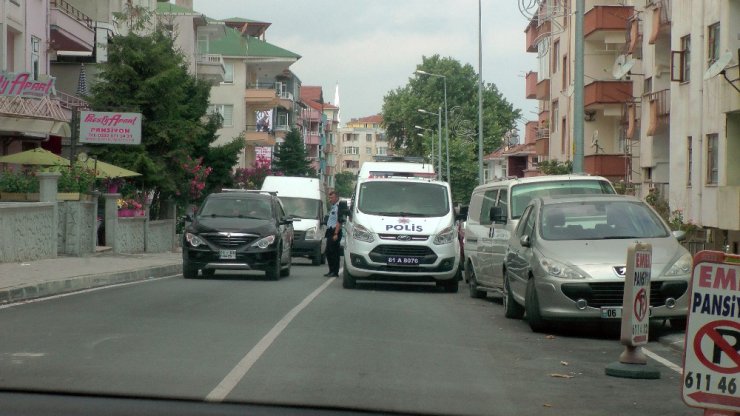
column 567, row 258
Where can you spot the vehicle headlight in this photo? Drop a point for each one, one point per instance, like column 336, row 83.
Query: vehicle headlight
column 363, row 234
column 445, row 236
column 561, row 270
column 194, row 240
column 310, row 234
column 681, row 267
column 264, row 242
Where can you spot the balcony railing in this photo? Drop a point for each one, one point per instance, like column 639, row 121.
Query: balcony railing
column 661, row 19
column 72, row 12
column 607, row 92
column 606, row 18
column 660, row 111
column 531, row 85
column 69, row 101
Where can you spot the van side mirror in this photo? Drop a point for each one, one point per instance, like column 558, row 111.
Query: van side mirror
column 524, row 241
column 497, row 215
column 325, row 220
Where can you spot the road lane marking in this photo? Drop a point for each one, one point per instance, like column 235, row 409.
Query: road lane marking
column 662, row 360
column 92, row 289
column 240, row 370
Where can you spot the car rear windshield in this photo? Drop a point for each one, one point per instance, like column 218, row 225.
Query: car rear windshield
column 522, row 194
column 404, row 199
column 600, row 220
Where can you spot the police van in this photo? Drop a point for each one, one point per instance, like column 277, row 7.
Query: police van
column 401, row 227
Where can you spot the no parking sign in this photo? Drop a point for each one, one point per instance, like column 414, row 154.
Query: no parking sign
column 712, row 355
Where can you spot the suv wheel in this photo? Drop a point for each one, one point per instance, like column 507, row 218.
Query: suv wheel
column 348, row 281
column 317, row 258
column 475, row 293
column 189, row 271
column 273, row 271
column 285, row 272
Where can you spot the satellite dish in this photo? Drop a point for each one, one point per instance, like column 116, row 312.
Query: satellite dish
column 622, row 65
column 718, row 65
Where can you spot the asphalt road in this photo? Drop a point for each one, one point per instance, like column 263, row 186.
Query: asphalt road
column 305, row 340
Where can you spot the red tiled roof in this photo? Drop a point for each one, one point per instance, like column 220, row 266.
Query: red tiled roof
column 369, row 119
column 311, row 93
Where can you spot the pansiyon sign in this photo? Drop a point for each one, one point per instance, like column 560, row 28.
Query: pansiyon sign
column 110, row 127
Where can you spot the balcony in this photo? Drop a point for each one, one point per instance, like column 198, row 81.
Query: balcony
column 210, row 68
column 607, row 92
column 634, row 37
column 328, row 148
column 661, row 17
column 261, row 96
column 542, row 146
column 531, row 35
column 530, row 131
column 40, row 116
column 660, row 111
column 531, row 85
column 69, row 28
column 312, row 138
column 602, row 22
column 543, row 89
column 613, row 167
column 258, row 138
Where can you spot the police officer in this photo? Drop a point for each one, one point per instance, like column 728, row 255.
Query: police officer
column 333, row 236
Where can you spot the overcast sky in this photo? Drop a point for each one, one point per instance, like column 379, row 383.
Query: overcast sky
column 371, row 47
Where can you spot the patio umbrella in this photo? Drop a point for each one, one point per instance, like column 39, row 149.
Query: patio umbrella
column 37, row 156
column 106, row 170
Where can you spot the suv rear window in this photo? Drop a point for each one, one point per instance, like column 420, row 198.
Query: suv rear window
column 237, row 207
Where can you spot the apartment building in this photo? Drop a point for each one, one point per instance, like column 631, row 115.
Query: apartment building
column 655, row 119
column 513, row 159
column 360, row 140
column 319, row 123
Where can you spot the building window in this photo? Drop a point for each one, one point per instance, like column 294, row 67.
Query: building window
column 681, row 61
column 689, row 159
column 555, row 57
column 368, row 150
column 564, row 136
column 282, row 119
column 368, row 137
column 225, row 110
column 647, row 86
column 202, row 43
column 382, row 150
column 380, row 137
column 712, row 159
column 713, row 43
column 35, row 62
column 555, row 117
column 565, row 80
column 229, row 73
column 351, row 150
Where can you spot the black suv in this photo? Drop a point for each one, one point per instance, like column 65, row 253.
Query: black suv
column 238, row 230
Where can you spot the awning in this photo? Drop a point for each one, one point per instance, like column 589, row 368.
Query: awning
column 34, row 127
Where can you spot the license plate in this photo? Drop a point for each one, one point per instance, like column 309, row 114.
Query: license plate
column 612, row 312
column 227, row 254
column 403, row 260
column 615, row 312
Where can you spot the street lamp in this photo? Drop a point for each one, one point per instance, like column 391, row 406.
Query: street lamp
column 447, row 128
column 439, row 139
column 421, row 135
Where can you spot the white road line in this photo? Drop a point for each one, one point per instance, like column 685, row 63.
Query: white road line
column 662, row 360
column 79, row 292
column 237, row 373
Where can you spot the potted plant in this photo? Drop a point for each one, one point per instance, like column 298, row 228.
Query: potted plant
column 75, row 181
column 113, row 185
column 17, row 185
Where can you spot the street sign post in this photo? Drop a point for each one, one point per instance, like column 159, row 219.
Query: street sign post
column 711, row 367
column 635, row 316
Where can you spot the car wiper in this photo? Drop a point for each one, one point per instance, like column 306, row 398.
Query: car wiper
column 401, row 214
column 251, row 217
column 618, row 237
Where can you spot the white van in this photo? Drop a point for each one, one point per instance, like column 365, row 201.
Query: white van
column 304, row 198
column 396, row 169
column 401, row 229
column 493, row 214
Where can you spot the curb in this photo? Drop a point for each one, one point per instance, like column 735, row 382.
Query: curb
column 78, row 283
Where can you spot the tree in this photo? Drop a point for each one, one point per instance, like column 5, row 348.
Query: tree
column 400, row 115
column 344, row 183
column 146, row 74
column 555, row 167
column 290, row 158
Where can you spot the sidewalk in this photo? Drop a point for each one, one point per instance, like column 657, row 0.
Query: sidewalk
column 46, row 277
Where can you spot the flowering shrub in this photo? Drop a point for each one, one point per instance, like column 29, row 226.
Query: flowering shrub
column 19, row 181
column 197, row 177
column 129, row 203
column 252, row 178
column 75, row 178
column 677, row 222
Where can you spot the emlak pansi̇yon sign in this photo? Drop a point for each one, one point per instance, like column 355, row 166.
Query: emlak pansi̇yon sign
column 711, row 367
column 110, row 127
column 636, row 301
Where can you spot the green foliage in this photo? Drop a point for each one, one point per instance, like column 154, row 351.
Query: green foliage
column 75, row 178
column 19, row 181
column 144, row 73
column 290, row 158
column 253, row 178
column 555, row 167
column 400, row 115
column 344, row 183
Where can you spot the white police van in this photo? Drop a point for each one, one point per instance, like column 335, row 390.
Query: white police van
column 401, row 228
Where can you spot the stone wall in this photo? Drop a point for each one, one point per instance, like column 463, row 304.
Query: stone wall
column 77, row 227
column 27, row 231
column 160, row 236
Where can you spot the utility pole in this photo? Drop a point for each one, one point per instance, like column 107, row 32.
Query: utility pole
column 578, row 91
